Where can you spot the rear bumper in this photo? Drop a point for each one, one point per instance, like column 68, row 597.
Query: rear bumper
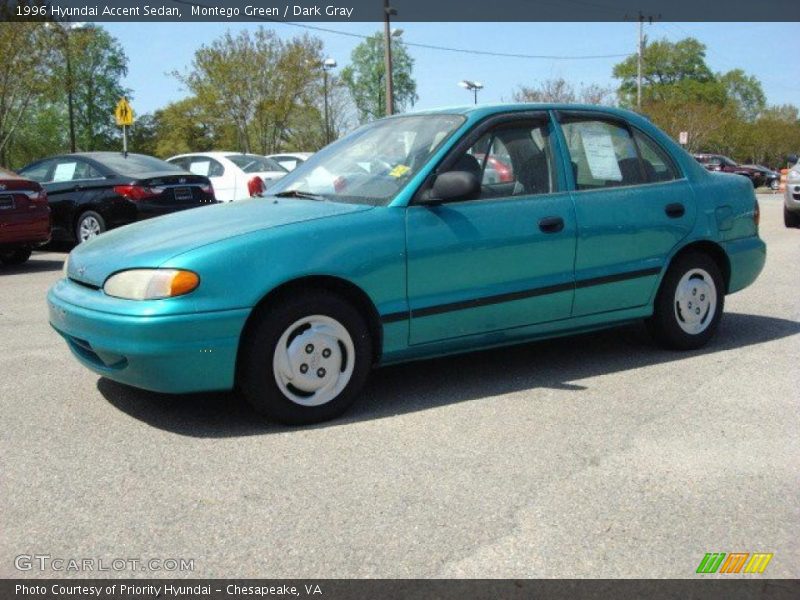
column 171, row 354
column 747, row 257
column 31, row 233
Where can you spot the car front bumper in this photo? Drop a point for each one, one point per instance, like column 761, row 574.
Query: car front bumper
column 172, row 354
column 791, row 196
column 747, row 257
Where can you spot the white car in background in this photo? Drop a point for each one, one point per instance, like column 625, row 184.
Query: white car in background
column 291, row 160
column 235, row 176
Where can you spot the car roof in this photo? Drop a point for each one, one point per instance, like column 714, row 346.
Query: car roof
column 215, row 154
column 489, row 109
column 292, row 154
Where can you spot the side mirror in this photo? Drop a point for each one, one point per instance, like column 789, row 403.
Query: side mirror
column 453, row 185
column 792, row 159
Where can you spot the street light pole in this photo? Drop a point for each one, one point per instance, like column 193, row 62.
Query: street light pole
column 387, row 56
column 473, row 86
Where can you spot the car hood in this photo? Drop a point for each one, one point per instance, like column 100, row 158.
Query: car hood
column 152, row 242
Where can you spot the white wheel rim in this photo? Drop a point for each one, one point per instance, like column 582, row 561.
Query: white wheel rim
column 695, row 301
column 90, row 227
column 313, row 360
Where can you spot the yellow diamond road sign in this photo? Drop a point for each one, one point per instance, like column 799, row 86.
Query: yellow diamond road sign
column 123, row 113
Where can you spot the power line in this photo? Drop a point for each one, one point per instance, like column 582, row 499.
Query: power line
column 431, row 46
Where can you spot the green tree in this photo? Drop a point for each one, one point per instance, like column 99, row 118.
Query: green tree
column 98, row 65
column 256, row 83
column 745, row 92
column 365, row 77
column 26, row 56
column 184, row 126
column 671, row 70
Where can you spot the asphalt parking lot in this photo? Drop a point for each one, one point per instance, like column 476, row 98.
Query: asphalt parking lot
column 594, row 456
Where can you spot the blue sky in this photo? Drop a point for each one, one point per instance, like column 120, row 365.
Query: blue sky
column 768, row 50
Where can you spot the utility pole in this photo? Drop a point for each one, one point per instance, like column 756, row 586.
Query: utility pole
column 640, row 58
column 70, row 101
column 387, row 43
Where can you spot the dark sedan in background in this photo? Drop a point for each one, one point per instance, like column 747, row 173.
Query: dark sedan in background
column 24, row 218
column 92, row 192
column 770, row 178
column 723, row 164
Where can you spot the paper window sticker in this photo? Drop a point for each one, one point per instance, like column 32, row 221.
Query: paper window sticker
column 65, row 171
column 598, row 146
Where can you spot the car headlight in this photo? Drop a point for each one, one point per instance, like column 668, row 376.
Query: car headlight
column 151, row 284
column 794, row 174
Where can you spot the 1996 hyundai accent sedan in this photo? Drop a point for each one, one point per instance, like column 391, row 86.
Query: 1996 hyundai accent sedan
column 396, row 243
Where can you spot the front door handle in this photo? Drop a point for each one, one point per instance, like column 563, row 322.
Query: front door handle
column 675, row 210
column 551, row 224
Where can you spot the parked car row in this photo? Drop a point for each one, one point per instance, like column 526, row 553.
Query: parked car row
column 75, row 197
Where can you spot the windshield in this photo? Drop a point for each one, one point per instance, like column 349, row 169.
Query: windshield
column 252, row 163
column 372, row 164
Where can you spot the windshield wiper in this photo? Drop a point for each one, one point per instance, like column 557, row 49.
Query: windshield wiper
column 299, row 194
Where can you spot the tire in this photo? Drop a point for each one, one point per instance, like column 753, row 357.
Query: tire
column 790, row 219
column 15, row 257
column 689, row 303
column 775, row 185
column 90, row 224
column 326, row 359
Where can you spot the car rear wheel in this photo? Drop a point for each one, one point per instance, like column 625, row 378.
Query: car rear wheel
column 790, row 219
column 689, row 304
column 90, row 225
column 15, row 257
column 775, row 185
column 305, row 360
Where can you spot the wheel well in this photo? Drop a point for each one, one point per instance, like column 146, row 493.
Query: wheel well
column 347, row 290
column 716, row 252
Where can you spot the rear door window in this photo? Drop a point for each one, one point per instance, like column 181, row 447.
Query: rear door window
column 656, row 162
column 602, row 154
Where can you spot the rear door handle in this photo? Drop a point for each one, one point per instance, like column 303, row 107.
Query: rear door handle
column 551, row 224
column 675, row 210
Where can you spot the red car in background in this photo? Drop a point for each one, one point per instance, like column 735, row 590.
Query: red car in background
column 24, row 218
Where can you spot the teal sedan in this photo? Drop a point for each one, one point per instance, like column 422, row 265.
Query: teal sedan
column 415, row 236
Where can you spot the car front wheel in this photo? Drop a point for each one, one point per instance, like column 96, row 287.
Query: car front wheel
column 689, row 303
column 305, row 359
